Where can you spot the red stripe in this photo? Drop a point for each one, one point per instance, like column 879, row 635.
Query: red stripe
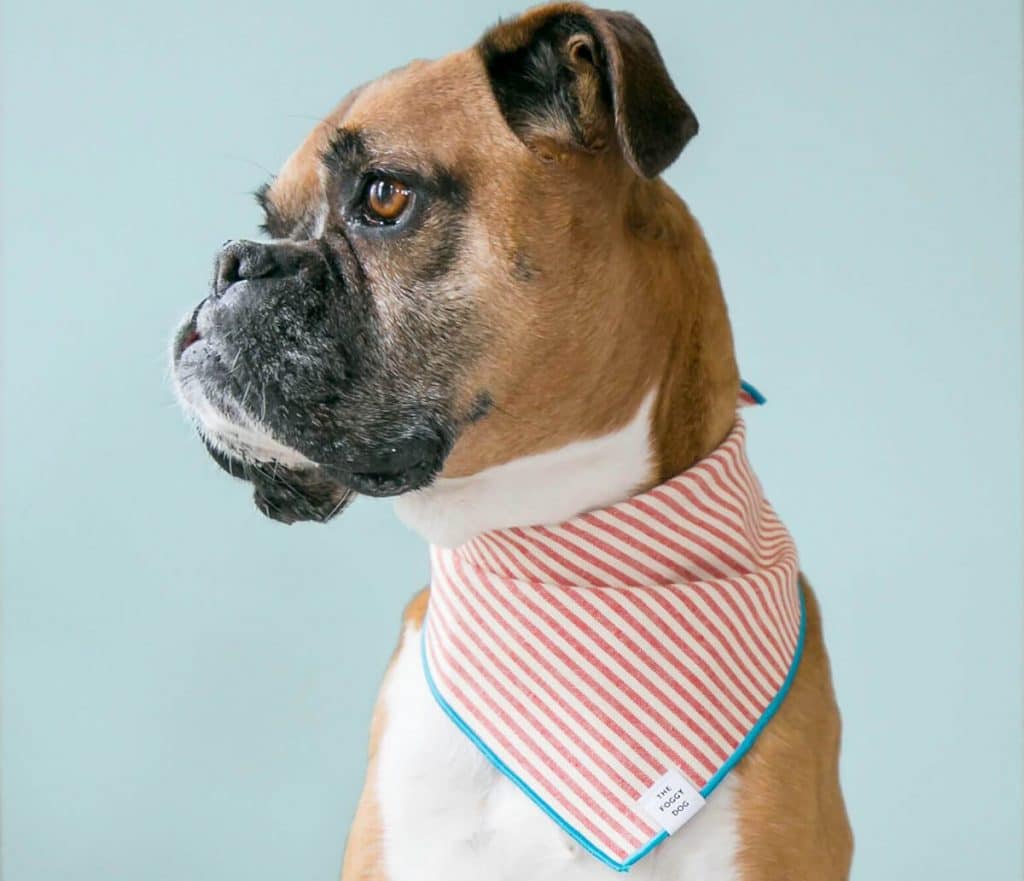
column 613, row 675
column 583, row 673
column 581, row 552
column 716, row 651
column 723, row 642
column 613, row 552
column 534, row 729
column 712, row 478
column 759, row 616
column 554, row 793
column 753, row 647
column 701, row 563
column 639, row 747
column 613, row 678
column 771, row 583
column 580, row 597
column 736, row 568
column 607, row 598
column 724, row 537
column 567, row 708
column 531, row 541
column 753, row 635
column 734, row 564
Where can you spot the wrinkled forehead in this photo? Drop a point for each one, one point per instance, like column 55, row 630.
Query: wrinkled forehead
column 427, row 114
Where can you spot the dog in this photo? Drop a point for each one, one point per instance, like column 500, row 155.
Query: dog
column 479, row 296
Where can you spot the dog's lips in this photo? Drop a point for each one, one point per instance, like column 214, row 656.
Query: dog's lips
column 244, row 444
column 391, row 483
column 188, row 334
column 399, row 467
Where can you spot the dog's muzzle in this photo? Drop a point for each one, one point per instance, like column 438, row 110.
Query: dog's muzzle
column 281, row 368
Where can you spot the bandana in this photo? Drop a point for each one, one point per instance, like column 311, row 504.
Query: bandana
column 616, row 666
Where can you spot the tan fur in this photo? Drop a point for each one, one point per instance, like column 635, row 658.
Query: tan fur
column 595, row 286
column 793, row 823
column 621, row 292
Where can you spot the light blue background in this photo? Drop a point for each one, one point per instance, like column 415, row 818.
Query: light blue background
column 188, row 685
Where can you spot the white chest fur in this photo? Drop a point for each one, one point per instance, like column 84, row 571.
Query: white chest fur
column 449, row 815
column 545, row 488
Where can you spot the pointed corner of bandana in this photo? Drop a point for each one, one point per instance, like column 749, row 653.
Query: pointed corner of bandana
column 750, row 395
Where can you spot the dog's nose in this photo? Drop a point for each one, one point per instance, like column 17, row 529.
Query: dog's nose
column 241, row 261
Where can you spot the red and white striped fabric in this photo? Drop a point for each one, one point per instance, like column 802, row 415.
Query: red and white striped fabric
column 589, row 658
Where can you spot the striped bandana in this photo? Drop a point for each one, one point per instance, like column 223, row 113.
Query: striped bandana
column 617, row 665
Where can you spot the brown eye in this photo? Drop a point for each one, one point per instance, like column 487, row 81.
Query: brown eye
column 386, row 200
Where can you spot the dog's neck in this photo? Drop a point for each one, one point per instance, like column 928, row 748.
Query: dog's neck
column 692, row 382
column 540, row 489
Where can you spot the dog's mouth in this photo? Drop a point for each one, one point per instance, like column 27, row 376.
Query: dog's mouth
column 187, row 335
column 190, row 337
column 318, row 493
column 289, row 484
column 284, row 494
column 397, row 470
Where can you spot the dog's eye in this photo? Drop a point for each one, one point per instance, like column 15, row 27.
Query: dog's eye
column 386, row 200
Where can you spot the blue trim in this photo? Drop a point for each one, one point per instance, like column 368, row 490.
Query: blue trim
column 753, row 392
column 769, row 711
column 515, row 778
column 573, row 833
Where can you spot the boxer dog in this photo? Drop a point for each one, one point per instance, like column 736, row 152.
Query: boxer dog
column 479, row 296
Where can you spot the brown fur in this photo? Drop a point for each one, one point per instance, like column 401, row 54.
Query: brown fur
column 793, row 823
column 595, row 284
column 569, row 355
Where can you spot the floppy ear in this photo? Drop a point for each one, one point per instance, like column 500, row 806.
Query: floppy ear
column 579, row 76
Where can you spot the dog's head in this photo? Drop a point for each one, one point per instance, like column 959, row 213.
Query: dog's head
column 442, row 288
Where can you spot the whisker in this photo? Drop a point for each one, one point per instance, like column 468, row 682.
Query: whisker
column 345, row 496
column 247, row 161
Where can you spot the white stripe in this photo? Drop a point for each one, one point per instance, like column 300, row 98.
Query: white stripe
column 669, row 649
column 599, row 651
column 524, row 688
column 481, row 718
column 601, row 708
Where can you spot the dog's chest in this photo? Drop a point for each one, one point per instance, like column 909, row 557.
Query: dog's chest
column 448, row 815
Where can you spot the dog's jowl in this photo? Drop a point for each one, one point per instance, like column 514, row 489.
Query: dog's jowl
column 477, row 294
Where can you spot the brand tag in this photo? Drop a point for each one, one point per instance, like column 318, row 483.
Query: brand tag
column 671, row 801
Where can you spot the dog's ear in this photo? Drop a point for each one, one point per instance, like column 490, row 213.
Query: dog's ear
column 576, row 76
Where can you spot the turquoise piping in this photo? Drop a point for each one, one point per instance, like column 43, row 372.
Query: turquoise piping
column 709, row 787
column 757, row 397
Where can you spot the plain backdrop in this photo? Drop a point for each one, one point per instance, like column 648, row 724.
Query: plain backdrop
column 187, row 686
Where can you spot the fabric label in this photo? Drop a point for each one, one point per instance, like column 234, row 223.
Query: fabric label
column 671, row 801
